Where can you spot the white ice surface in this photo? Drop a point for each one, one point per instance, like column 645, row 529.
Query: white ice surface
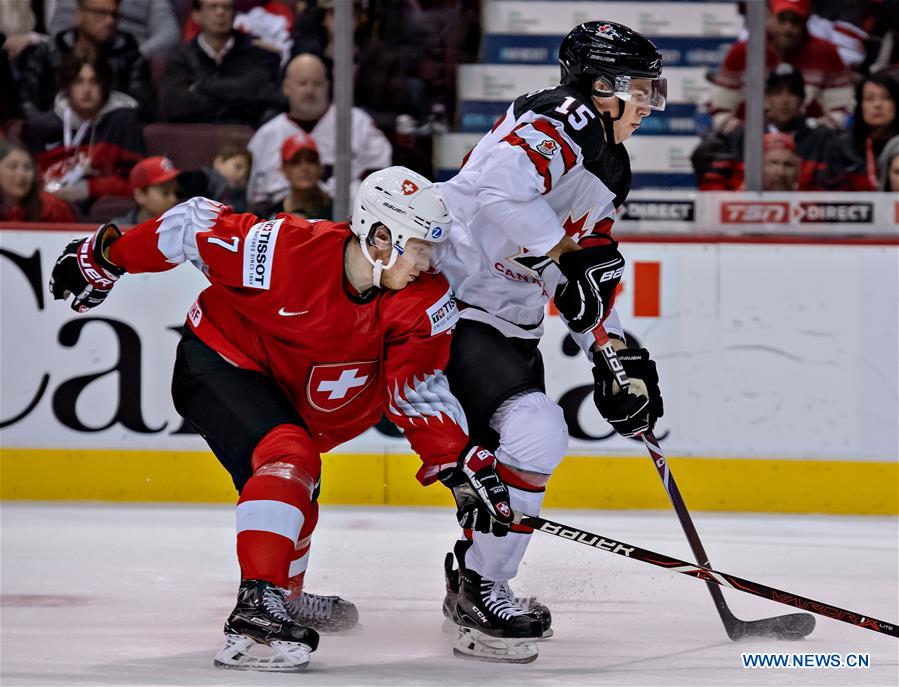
column 100, row 595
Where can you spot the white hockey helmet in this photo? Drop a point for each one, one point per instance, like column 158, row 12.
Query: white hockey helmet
column 407, row 204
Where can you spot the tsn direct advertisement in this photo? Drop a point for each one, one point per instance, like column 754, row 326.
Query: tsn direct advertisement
column 830, row 214
column 765, row 350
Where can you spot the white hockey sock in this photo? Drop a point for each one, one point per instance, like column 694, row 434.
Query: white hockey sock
column 498, row 558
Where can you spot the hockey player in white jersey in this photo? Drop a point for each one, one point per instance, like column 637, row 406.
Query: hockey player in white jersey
column 533, row 208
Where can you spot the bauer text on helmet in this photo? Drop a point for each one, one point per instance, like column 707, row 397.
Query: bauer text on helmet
column 406, row 203
column 606, row 59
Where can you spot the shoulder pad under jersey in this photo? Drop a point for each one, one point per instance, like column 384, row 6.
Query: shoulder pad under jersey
column 575, row 112
column 582, row 123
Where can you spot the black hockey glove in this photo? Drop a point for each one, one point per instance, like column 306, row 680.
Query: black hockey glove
column 482, row 500
column 84, row 270
column 593, row 273
column 636, row 411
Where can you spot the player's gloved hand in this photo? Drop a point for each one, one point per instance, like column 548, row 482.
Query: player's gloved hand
column 85, row 271
column 482, row 500
column 592, row 272
column 636, row 411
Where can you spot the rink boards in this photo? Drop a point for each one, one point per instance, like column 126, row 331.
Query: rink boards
column 778, row 361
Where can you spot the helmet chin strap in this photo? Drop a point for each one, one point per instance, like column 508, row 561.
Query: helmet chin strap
column 377, row 265
column 376, row 270
column 608, row 121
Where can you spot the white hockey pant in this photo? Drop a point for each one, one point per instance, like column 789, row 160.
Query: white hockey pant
column 533, row 438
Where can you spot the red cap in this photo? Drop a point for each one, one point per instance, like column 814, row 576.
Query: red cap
column 153, row 170
column 778, row 141
column 801, row 7
column 295, row 144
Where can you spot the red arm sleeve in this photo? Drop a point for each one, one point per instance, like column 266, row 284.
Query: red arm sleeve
column 419, row 400
column 230, row 249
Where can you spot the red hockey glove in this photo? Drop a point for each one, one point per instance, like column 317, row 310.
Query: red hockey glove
column 482, row 500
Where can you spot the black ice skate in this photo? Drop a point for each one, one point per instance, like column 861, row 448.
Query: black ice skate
column 260, row 635
column 528, row 604
column 323, row 613
column 492, row 627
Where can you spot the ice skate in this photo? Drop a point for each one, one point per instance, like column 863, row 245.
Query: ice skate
column 323, row 613
column 492, row 627
column 528, row 604
column 260, row 635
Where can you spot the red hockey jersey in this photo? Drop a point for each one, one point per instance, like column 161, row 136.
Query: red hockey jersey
column 278, row 303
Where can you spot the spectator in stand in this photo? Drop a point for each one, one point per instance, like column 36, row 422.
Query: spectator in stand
column 828, row 94
column 302, row 168
column 874, row 124
column 10, row 108
column 87, row 145
column 225, row 181
column 888, row 166
column 313, row 31
column 780, row 164
column 718, row 160
column 306, row 87
column 151, row 22
column 95, row 36
column 18, row 24
column 21, row 197
column 221, row 76
column 154, row 188
column 271, row 23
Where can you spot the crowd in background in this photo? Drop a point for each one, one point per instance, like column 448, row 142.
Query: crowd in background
column 831, row 101
column 86, row 82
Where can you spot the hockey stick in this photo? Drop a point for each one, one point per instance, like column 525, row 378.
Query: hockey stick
column 712, row 577
column 793, row 626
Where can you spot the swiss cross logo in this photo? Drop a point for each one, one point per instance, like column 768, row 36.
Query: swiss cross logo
column 547, row 147
column 409, row 187
column 331, row 386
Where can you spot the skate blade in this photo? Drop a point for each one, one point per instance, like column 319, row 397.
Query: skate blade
column 474, row 645
column 449, row 627
column 243, row 653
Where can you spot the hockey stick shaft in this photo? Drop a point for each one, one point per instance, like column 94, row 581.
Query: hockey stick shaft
column 683, row 515
column 597, row 541
column 658, row 458
column 730, row 621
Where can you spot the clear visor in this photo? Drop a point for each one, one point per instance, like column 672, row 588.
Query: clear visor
column 651, row 93
column 416, row 253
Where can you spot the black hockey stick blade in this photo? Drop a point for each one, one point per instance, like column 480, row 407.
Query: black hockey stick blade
column 780, row 623
column 791, row 627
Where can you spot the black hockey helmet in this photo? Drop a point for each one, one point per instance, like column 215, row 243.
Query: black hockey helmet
column 602, row 57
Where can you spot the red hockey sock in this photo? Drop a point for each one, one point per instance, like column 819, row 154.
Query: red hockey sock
column 275, row 503
column 300, row 557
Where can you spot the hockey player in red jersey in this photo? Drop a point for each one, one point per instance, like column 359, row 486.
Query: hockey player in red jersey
column 307, row 334
column 533, row 207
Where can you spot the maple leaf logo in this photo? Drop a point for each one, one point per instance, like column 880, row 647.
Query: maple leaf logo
column 548, row 147
column 575, row 227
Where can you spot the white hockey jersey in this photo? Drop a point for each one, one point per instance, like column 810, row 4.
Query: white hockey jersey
column 544, row 171
column 370, row 150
